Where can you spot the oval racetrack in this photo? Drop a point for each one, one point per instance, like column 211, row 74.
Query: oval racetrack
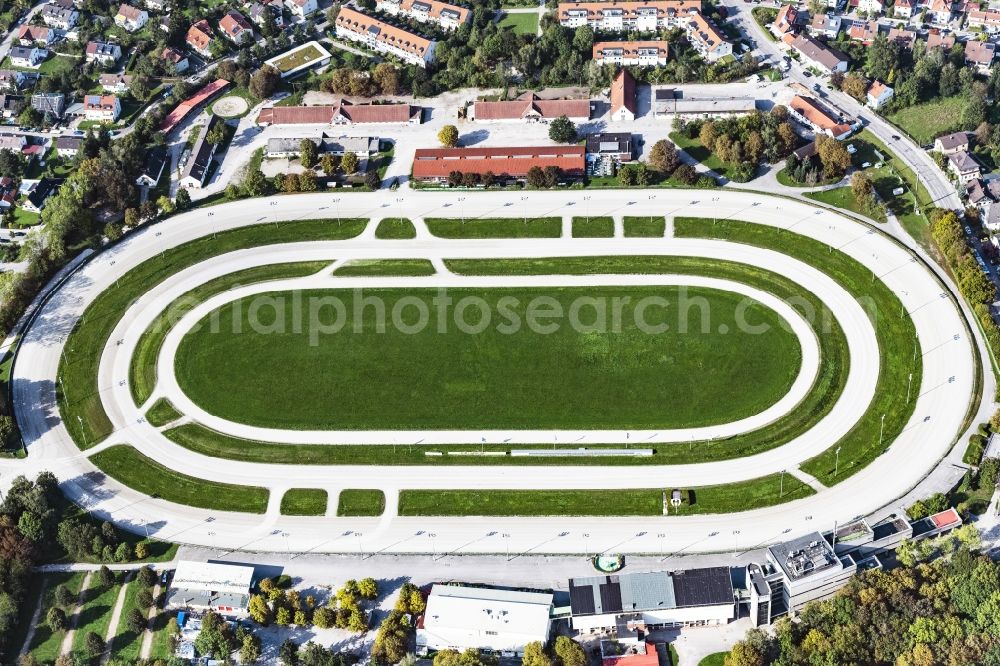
column 946, row 387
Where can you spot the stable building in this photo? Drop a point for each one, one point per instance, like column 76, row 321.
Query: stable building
column 498, row 620
column 200, row 158
column 344, row 113
column 643, row 601
column 210, row 586
column 530, row 108
column 623, row 97
column 506, row 164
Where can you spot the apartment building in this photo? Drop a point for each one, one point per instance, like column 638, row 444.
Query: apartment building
column 626, row 15
column 446, row 15
column 384, row 38
column 647, row 53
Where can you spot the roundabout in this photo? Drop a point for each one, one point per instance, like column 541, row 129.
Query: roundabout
column 860, row 385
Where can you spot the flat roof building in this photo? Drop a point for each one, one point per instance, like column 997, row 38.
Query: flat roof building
column 459, row 618
column 204, row 586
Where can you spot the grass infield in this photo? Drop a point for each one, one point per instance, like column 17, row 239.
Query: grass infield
column 385, row 267
column 78, row 393
column 593, row 227
column 304, row 502
column 147, row 476
column 357, row 502
column 162, row 412
column 644, row 227
column 500, row 227
column 895, row 333
column 395, row 228
column 507, row 375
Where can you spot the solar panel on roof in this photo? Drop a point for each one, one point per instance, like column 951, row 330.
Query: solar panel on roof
column 581, row 600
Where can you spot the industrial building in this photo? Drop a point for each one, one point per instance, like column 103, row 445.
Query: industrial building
column 205, row 586
column 497, row 620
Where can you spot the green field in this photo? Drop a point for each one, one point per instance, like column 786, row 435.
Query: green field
column 842, row 197
column 142, row 370
column 644, row 227
column 896, row 336
column 162, row 412
column 356, row 502
column 385, row 267
column 395, row 228
column 78, row 394
column 593, row 227
column 513, row 227
column 304, row 502
column 714, row 659
column 522, row 24
column 698, row 152
column 733, row 497
column 516, row 371
column 149, row 477
column 925, row 122
column 45, row 645
column 834, row 366
column 127, row 644
column 95, row 614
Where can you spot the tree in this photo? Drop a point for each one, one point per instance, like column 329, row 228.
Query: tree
column 324, row 618
column 833, row 156
column 664, row 157
column 182, row 199
column 686, row 174
column 264, row 82
column 135, row 621
column 55, row 620
column 535, row 177
column 123, row 553
column 259, row 611
column 144, row 598
column 63, row 596
column 94, row 644
column 708, row 134
column 569, row 652
column 250, row 651
column 349, row 163
column 627, row 176
column 146, row 576
column 104, row 577
column 288, row 653
column 448, row 136
column 856, row 86
column 534, row 655
column 308, row 153
column 328, row 163
column 307, row 182
column 217, row 134
column 368, row 588
column 165, row 205
column 283, row 616
column 562, row 130
column 372, row 181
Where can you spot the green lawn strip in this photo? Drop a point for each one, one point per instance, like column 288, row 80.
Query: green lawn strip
column 500, row 227
column 45, row 645
column 925, row 122
column 508, row 374
column 644, row 227
column 142, row 369
column 714, row 659
column 834, row 366
column 385, row 267
column 787, row 181
column 162, row 412
column 304, row 502
column 78, row 367
column 128, row 644
column 917, row 196
column 593, row 227
column 357, row 502
column 18, row 633
column 161, row 638
column 694, row 148
column 522, row 23
column 896, row 336
column 842, row 197
column 95, row 614
column 156, row 551
column 395, row 228
column 728, row 498
column 149, row 477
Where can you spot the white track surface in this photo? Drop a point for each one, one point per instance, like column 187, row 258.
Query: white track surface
column 943, row 395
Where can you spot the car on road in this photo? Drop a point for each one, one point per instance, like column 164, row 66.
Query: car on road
column 807, row 74
column 895, row 137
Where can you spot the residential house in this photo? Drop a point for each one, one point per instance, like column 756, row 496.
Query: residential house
column 788, row 20
column 647, row 53
column 196, row 169
column 623, row 96
column 938, row 12
column 530, row 108
column 448, row 16
column 343, row 113
column 949, row 144
column 905, row 37
column 384, row 38
column 68, row 146
column 627, row 15
column 817, row 54
column 258, row 11
column 131, row 18
column 30, row 57
column 706, row 38
column 49, row 104
column 175, row 58
column 8, row 193
column 102, row 108
column 16, row 143
column 158, row 5
column 809, row 112
column 30, row 35
column 104, row 53
column 117, row 82
column 903, row 8
column 863, row 31
column 980, row 55
column 963, row 166
column 11, row 79
column 825, row 25
column 11, row 105
column 506, row 164
column 606, row 150
column 870, row 7
column 236, row 27
column 152, row 168
column 302, row 8
column 60, row 16
column 935, row 40
column 40, row 193
column 987, row 21
column 879, row 94
column 199, row 37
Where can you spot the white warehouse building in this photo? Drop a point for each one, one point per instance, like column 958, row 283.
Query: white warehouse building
column 504, row 621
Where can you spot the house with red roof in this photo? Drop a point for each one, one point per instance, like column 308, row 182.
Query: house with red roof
column 623, row 97
column 236, row 27
column 507, row 164
column 199, row 37
column 529, row 107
